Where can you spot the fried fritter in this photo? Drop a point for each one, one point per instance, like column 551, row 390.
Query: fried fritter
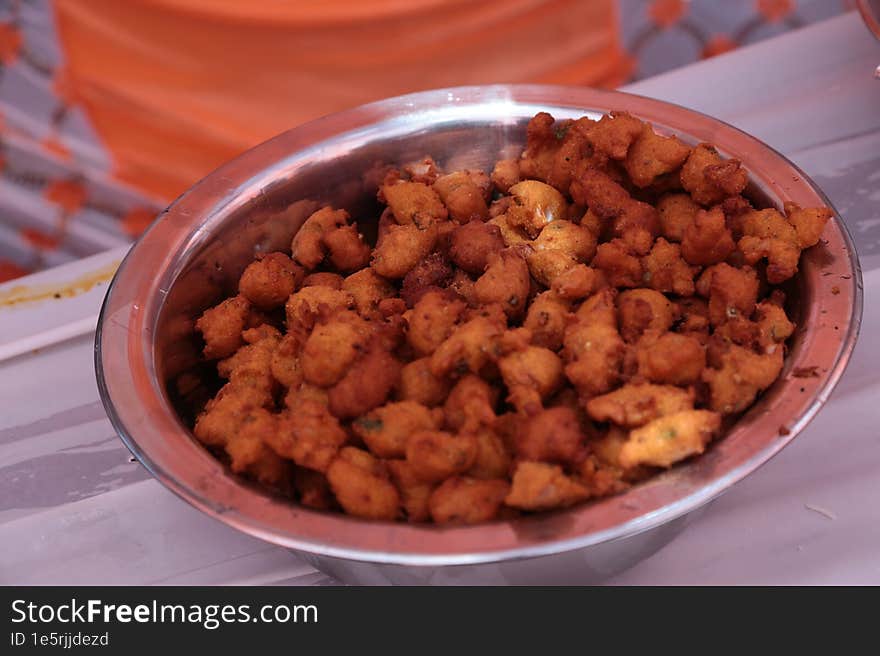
column 270, row 280
column 472, row 245
column 465, row 500
column 362, row 485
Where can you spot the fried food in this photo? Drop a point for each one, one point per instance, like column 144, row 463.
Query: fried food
column 706, row 239
column 651, row 155
column 542, row 486
column 780, row 239
column 362, row 485
column 521, row 340
column 670, row 438
column 709, row 179
column 472, row 245
column 433, row 273
column 368, row 289
column 221, row 327
column 666, row 270
column 464, row 193
column 465, row 500
column 641, row 309
column 432, row 320
column 677, row 212
column 534, row 205
column 546, row 318
column 327, row 233
column 270, row 280
column 506, row 282
column 418, row 384
column 634, row 405
column 552, row 435
column 387, row 429
column 436, row 455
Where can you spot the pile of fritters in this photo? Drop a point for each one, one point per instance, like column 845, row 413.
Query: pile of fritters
column 519, row 341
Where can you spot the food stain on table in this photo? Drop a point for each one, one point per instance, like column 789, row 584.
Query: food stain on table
column 67, row 289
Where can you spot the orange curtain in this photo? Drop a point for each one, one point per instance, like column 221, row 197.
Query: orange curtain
column 176, row 87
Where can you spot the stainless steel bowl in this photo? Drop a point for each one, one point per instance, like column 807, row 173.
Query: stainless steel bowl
column 194, row 253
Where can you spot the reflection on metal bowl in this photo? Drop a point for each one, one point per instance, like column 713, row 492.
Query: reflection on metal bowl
column 193, row 255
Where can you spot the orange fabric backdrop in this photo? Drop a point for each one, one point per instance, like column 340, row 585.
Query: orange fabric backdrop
column 176, row 87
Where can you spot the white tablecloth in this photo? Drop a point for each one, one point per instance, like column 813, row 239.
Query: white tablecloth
column 74, row 509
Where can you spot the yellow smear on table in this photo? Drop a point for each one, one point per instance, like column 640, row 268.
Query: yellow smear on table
column 34, row 293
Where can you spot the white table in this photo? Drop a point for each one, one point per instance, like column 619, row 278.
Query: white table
column 74, row 509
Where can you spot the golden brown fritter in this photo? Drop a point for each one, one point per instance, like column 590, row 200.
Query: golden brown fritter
column 367, row 288
column 285, row 365
column 542, row 486
column 670, row 358
column 250, row 367
column 332, row 346
column 641, row 309
column 436, row 455
column 327, row 232
column 307, row 434
column 530, row 373
column 551, row 435
column 808, row 223
column 773, row 325
column 414, row 493
column 706, row 239
column 472, row 244
column 546, row 319
column 418, row 384
column 366, row 384
column 465, row 500
column 593, row 349
column 534, row 205
column 433, row 273
column 505, row 175
column 652, row 155
column 362, row 485
column 401, row 248
column 493, row 458
column 577, row 282
column 414, row 203
column 432, row 320
column 634, row 405
column 735, row 380
column 553, row 150
column 468, row 349
column 308, row 244
column 470, row 405
column 387, row 429
column 614, row 133
column 222, row 325
column 347, row 249
column 302, row 307
column 732, row 292
column 666, row 271
column 676, row 212
column 780, row 239
column 270, row 280
column 561, row 246
column 710, row 179
column 506, row 282
column 619, row 264
column 670, row 438
column 464, row 195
